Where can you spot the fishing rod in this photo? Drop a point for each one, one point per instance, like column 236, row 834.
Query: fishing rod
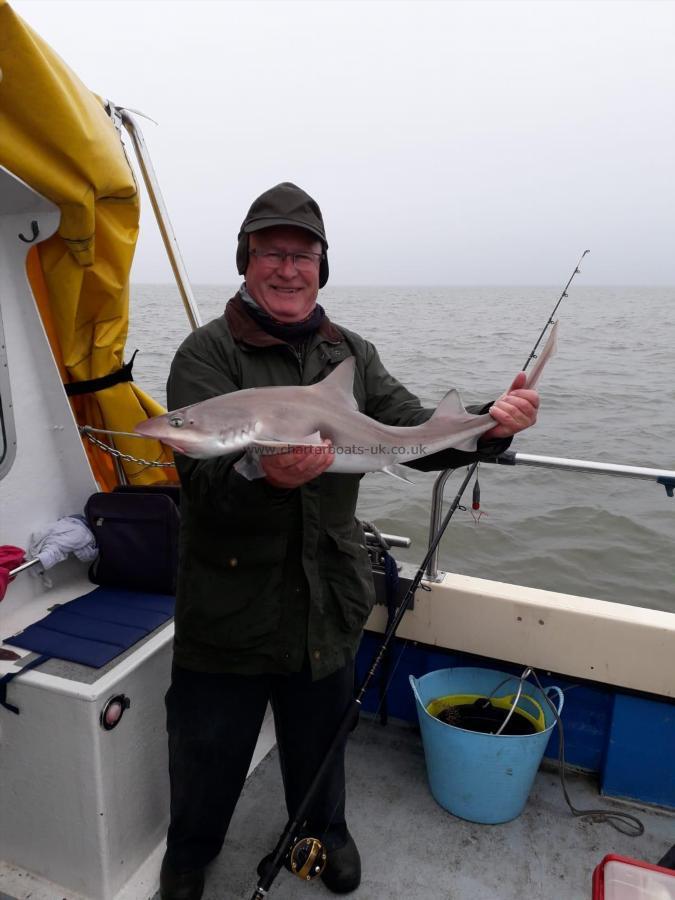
column 307, row 855
column 533, row 352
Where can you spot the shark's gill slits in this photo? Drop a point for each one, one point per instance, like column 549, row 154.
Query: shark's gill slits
column 236, row 437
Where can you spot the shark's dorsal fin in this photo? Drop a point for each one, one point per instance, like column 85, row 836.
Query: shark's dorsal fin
column 339, row 385
column 450, row 406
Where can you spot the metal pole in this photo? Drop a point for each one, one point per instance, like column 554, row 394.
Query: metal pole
column 394, row 540
column 24, row 566
column 435, row 521
column 511, row 458
column 162, row 216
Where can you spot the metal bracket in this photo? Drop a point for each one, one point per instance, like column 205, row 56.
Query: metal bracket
column 668, row 483
column 115, row 115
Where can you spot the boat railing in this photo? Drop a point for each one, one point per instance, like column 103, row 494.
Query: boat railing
column 664, row 477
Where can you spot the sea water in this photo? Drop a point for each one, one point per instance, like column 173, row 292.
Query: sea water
column 607, row 395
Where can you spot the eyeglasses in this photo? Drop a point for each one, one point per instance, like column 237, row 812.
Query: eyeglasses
column 303, row 262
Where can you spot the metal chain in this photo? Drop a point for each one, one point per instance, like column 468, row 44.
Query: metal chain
column 119, row 455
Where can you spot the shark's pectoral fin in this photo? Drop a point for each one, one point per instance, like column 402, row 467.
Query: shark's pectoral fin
column 249, row 467
column 313, row 438
column 396, row 470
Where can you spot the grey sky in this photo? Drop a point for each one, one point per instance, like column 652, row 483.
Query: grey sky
column 446, row 142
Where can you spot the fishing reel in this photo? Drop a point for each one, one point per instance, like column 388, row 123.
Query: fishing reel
column 308, row 858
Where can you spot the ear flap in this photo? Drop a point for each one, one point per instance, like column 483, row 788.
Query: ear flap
column 323, row 267
column 242, row 253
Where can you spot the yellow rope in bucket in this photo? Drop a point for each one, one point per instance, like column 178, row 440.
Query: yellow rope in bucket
column 440, row 703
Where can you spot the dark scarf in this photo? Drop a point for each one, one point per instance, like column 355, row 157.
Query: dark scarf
column 291, row 332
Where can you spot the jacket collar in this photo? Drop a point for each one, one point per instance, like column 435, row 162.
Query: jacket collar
column 245, row 330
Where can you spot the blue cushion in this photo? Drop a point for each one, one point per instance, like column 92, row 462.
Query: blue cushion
column 97, row 627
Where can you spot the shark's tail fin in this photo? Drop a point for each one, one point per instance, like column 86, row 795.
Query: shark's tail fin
column 550, row 347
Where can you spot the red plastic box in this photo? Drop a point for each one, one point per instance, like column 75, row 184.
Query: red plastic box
column 621, row 878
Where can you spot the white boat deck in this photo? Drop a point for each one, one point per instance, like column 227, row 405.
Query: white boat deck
column 412, row 849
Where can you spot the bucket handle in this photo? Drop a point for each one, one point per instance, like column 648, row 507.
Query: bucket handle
column 560, row 695
column 413, row 685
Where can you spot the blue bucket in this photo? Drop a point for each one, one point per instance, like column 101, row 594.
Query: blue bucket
column 483, row 778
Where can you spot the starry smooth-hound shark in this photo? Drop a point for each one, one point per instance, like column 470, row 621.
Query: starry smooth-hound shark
column 272, row 419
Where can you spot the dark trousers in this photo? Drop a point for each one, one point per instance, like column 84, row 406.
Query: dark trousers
column 213, row 723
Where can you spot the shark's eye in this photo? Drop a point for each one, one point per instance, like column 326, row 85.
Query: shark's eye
column 176, row 421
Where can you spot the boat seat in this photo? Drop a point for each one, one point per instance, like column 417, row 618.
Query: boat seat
column 97, row 627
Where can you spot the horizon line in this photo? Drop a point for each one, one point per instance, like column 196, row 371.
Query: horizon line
column 381, row 284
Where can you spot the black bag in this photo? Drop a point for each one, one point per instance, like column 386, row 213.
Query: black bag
column 136, row 530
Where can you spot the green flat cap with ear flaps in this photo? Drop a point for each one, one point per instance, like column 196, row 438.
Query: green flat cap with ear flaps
column 283, row 204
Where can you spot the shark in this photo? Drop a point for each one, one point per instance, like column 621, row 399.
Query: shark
column 256, row 421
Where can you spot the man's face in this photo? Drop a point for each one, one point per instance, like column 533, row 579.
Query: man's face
column 285, row 292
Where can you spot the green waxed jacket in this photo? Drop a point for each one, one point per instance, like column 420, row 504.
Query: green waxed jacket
column 267, row 576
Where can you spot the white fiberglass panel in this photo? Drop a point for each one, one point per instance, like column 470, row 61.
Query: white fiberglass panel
column 50, row 476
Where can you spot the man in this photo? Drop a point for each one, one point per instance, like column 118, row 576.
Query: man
column 274, row 583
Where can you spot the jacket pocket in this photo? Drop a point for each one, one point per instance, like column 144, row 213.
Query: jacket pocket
column 349, row 579
column 234, row 590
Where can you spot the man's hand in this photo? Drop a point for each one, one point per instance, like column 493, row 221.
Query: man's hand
column 297, row 466
column 514, row 411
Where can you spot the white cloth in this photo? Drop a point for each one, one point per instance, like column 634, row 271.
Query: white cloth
column 68, row 535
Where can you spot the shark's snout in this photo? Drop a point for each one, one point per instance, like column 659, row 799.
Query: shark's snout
column 183, row 435
column 161, row 429
column 150, row 428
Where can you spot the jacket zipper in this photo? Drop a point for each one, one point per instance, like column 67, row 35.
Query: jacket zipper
column 298, row 358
